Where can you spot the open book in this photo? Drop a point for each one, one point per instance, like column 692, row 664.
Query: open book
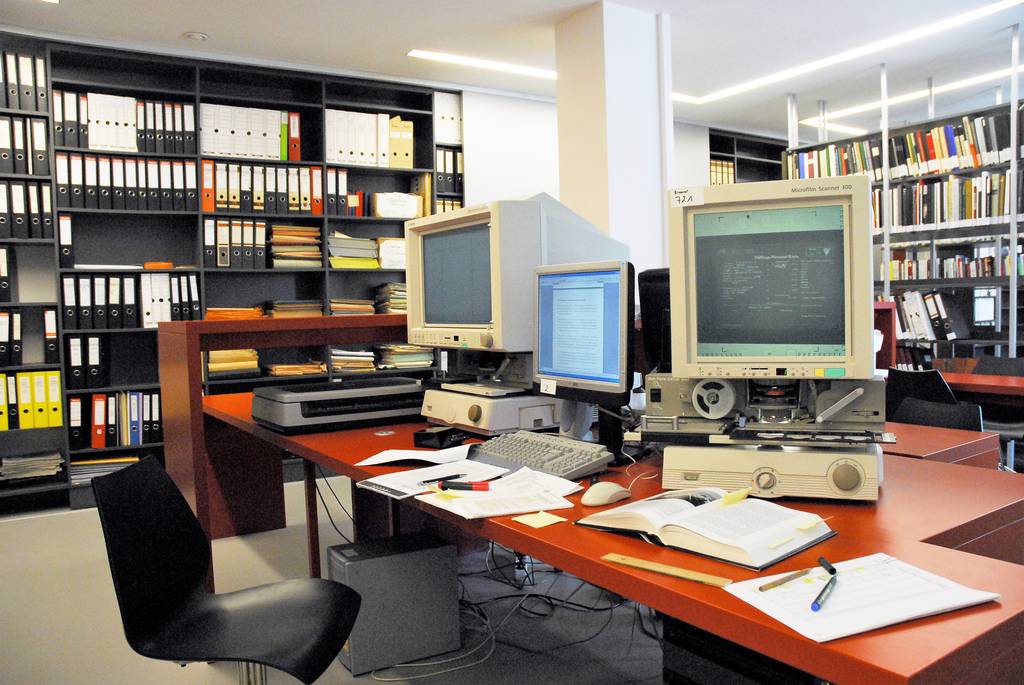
column 749, row 532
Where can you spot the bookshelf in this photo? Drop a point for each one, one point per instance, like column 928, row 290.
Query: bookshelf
column 743, row 158
column 952, row 205
column 112, row 236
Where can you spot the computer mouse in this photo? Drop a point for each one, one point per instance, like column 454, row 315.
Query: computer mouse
column 603, row 493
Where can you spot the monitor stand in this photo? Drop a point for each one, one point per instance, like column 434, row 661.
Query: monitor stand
column 576, row 423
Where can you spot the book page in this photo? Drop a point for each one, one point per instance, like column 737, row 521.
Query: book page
column 648, row 515
column 870, row 592
column 739, row 524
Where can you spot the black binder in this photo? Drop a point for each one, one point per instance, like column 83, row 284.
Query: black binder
column 209, row 243
column 51, row 349
column 75, row 379
column 16, row 343
column 83, row 121
column 5, row 211
column 6, row 146
column 95, row 372
column 117, row 197
column 69, row 313
column 129, row 300
column 37, row 144
column 19, row 210
column 114, row 319
column 85, row 303
column 7, row 278
column 65, row 241
column 19, row 145
column 245, row 189
column 99, row 302
column 104, row 182
column 91, row 182
column 77, row 422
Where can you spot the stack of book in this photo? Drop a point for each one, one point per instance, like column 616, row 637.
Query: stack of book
column 233, row 313
column 391, row 298
column 310, row 368
column 286, row 309
column 295, row 247
column 402, row 356
column 352, row 361
column 391, row 253
column 30, row 466
column 82, row 472
column 347, row 252
column 225, row 364
column 341, row 306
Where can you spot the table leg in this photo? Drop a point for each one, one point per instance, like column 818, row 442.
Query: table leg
column 312, row 522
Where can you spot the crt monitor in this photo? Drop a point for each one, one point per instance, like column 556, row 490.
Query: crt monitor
column 470, row 271
column 584, row 332
column 772, row 280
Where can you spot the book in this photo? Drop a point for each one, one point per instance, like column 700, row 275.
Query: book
column 870, row 592
column 742, row 530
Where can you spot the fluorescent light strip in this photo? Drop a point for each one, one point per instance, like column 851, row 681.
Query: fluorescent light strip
column 486, row 64
column 913, row 95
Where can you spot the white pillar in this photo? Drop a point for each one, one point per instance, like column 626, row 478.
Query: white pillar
column 614, row 124
column 886, row 211
column 792, row 121
column 931, row 98
column 1014, row 170
column 822, row 121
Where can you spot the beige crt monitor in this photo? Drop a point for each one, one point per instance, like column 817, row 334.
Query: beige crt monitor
column 772, row 280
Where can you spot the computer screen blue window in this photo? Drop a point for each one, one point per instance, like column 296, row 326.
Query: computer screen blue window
column 579, row 326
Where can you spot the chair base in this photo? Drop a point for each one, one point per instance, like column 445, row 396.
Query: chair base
column 251, row 674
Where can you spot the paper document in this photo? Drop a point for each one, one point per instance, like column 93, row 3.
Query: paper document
column 870, row 592
column 444, row 456
column 517, row 493
column 413, row 482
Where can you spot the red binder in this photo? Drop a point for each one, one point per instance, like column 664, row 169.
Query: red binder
column 207, row 197
column 316, row 181
column 294, row 139
column 99, row 421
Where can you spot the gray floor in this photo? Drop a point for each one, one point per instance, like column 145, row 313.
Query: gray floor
column 59, row 620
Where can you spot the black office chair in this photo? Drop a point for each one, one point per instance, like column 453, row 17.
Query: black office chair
column 924, row 385
column 159, row 558
column 923, row 413
column 999, row 418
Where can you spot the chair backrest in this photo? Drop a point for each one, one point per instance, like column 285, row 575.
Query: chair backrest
column 924, row 413
column 1000, row 366
column 924, row 385
column 654, row 314
column 159, row 556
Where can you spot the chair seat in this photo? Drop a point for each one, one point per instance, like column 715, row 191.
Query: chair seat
column 286, row 625
column 1008, row 430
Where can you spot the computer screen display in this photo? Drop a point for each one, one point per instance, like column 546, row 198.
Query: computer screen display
column 457, row 276
column 771, row 282
column 579, row 325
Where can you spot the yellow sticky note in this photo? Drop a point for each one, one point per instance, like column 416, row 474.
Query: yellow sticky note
column 444, row 494
column 733, row 497
column 812, row 523
column 538, row 520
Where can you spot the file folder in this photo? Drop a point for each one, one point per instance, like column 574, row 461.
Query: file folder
column 6, row 275
column 42, row 97
column 13, row 416
column 11, row 71
column 282, row 190
column 244, row 188
column 134, row 419
column 99, row 422
column 153, row 201
column 40, row 410
column 191, row 193
column 85, row 303
column 114, row 318
column 91, row 184
column 305, row 191
column 141, row 171
column 260, row 245
column 258, row 190
column 234, row 187
column 147, row 429
column 292, row 185
column 19, row 210
column 16, row 340
column 63, row 180
column 178, row 186
column 332, row 192
column 103, row 183
column 99, row 302
column 5, row 339
column 316, row 191
column 131, row 184
column 35, row 219
column 140, row 127
column 176, row 298
column 294, row 141
column 4, row 425
column 76, row 432
column 6, row 146
column 197, row 312
column 151, row 126
column 46, row 202
column 179, row 128
column 71, row 119
column 236, row 244
column 166, row 186
column 5, row 212
column 26, row 415
column 40, row 150
column 223, row 243
column 26, row 83
column 95, row 374
column 51, row 342
column 117, row 190
column 159, row 126
column 83, row 121
column 76, row 164
column 207, row 198
column 156, row 420
column 221, row 186
column 209, row 243
column 270, row 190
column 113, row 416
column 19, row 145
column 129, row 309
column 69, row 315
column 54, row 401
column 189, row 128
column 146, row 301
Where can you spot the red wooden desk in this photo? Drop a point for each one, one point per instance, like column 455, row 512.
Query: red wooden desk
column 983, row 389
column 944, row 444
column 928, row 514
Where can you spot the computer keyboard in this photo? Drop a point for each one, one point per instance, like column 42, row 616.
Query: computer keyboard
column 547, row 452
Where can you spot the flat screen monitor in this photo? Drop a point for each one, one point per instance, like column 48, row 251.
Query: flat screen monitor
column 584, row 330
column 773, row 280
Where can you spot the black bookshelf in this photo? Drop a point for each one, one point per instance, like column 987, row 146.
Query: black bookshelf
column 129, row 236
column 752, row 158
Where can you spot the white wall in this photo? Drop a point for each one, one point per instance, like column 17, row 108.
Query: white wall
column 510, row 145
column 692, row 154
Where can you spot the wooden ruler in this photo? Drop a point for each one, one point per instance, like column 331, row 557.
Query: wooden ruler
column 675, row 571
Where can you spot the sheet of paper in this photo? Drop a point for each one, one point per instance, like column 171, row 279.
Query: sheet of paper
column 478, row 505
column 870, row 592
column 415, row 481
column 529, row 480
column 541, row 519
column 444, row 456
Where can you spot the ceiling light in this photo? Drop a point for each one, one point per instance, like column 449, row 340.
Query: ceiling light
column 52, row 2
column 868, row 49
column 197, row 36
column 914, row 95
column 486, row 64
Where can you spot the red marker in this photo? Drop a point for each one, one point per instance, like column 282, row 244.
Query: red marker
column 454, row 485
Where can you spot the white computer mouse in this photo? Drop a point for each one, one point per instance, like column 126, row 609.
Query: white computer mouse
column 603, row 493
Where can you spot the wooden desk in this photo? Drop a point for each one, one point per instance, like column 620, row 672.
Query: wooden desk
column 929, row 514
column 944, row 444
column 984, row 389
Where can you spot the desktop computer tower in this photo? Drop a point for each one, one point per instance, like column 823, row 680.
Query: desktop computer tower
column 410, row 609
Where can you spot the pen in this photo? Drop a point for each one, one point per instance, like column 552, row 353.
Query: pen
column 442, row 479
column 478, row 485
column 783, row 580
column 823, row 562
column 819, row 601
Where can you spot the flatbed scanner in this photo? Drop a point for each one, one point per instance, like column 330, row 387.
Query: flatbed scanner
column 337, row 405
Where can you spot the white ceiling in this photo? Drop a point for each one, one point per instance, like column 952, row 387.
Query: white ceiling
column 715, row 44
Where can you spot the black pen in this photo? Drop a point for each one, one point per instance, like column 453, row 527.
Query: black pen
column 454, row 476
column 819, row 601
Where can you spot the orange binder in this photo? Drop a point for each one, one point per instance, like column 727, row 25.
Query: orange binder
column 99, row 421
column 208, row 187
column 316, row 183
column 294, row 139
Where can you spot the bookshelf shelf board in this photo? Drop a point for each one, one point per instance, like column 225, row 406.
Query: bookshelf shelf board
column 266, row 380
column 215, row 270
column 336, row 103
column 29, row 367
column 98, row 331
column 12, row 489
column 27, row 305
column 386, row 372
column 114, row 388
column 24, row 113
column 980, row 282
column 356, row 169
column 124, row 153
column 146, row 212
column 157, row 92
column 26, row 241
column 1001, row 166
column 260, row 160
column 7, row 176
column 759, row 160
column 360, row 270
column 118, row 448
column 458, row 195
column 129, row 270
column 35, row 431
column 252, row 215
column 369, row 219
column 963, row 233
column 258, row 101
